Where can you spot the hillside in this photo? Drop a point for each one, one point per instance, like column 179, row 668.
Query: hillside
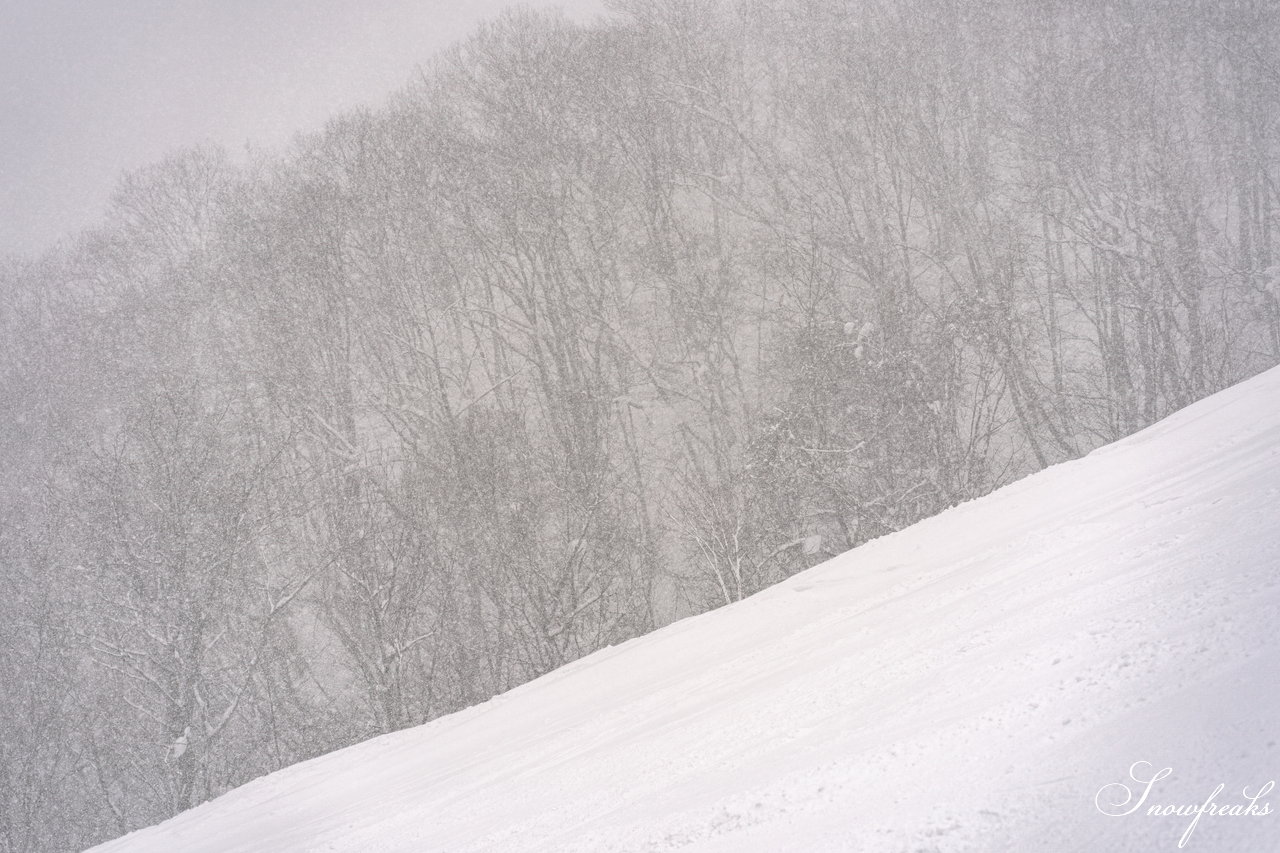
column 971, row 683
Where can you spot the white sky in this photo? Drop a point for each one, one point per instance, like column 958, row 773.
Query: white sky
column 90, row 88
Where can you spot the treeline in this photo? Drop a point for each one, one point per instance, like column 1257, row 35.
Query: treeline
column 590, row 328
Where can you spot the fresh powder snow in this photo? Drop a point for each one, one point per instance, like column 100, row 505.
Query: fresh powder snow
column 999, row 677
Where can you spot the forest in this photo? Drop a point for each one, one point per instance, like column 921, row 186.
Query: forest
column 590, row 328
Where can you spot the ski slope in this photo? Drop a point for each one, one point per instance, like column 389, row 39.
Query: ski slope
column 974, row 682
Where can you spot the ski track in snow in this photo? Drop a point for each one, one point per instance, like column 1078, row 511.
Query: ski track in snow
column 969, row 683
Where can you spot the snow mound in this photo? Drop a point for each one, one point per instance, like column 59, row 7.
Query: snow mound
column 989, row 679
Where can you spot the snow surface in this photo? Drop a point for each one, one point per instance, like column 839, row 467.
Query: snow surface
column 971, row 683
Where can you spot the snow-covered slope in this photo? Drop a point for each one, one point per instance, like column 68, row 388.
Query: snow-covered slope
column 975, row 682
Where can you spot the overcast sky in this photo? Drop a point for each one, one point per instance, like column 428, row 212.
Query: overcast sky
column 90, row 88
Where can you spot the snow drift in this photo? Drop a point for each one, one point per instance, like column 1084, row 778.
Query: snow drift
column 994, row 678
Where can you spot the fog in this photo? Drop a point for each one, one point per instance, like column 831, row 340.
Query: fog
column 90, row 89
